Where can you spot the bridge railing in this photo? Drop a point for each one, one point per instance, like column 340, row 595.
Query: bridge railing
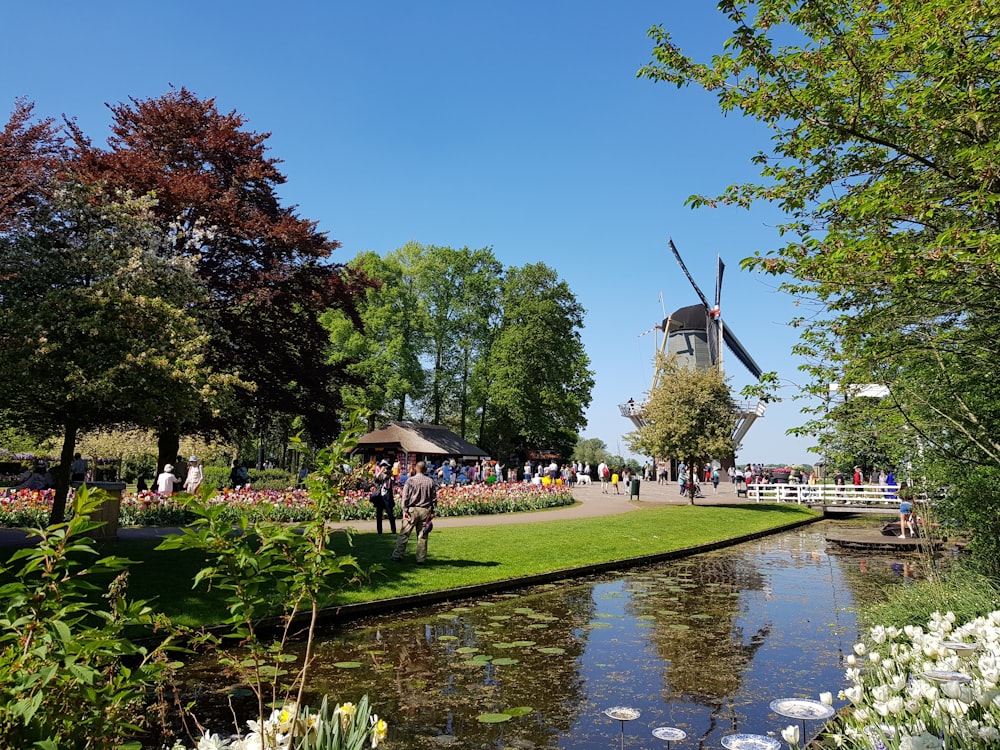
column 828, row 494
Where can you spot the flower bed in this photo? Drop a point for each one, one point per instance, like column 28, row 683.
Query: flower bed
column 913, row 687
column 30, row 508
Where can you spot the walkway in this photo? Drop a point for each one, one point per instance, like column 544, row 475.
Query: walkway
column 591, row 504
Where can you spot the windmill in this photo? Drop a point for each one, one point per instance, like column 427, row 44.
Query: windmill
column 697, row 337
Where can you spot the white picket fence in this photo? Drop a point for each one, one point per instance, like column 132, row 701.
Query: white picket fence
column 827, row 494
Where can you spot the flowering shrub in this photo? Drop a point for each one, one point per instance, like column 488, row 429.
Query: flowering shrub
column 26, row 508
column 347, row 727
column 917, row 689
column 30, row 508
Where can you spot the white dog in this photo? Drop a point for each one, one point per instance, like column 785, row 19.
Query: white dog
column 583, row 479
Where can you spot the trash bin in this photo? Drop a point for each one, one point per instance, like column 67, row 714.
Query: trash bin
column 635, row 488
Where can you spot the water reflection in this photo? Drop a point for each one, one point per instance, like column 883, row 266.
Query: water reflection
column 703, row 644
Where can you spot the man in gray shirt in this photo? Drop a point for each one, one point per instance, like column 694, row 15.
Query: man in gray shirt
column 419, row 503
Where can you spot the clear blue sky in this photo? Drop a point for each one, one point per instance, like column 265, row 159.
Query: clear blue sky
column 515, row 125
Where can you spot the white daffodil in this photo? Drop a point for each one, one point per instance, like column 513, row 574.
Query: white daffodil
column 859, row 649
column 379, row 730
column 826, row 699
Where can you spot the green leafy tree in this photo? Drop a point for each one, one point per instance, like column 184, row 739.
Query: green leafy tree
column 591, row 450
column 884, row 121
column 267, row 270
column 459, row 289
column 382, row 359
column 95, row 326
column 540, row 380
column 689, row 414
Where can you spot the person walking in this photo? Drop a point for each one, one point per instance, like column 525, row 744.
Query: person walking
column 605, row 474
column 381, row 496
column 419, row 504
column 195, row 475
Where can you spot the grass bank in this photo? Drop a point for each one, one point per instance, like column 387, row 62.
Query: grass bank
column 472, row 555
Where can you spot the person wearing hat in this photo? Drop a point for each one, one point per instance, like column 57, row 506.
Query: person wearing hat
column 195, row 475
column 165, row 481
column 381, row 496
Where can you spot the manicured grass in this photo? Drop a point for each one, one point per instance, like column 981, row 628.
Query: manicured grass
column 469, row 555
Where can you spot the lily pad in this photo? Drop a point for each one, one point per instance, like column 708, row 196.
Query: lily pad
column 493, row 718
column 519, row 711
column 347, row 664
column 447, row 637
column 499, row 617
column 554, row 650
column 467, row 650
column 679, row 626
column 524, row 644
column 505, row 662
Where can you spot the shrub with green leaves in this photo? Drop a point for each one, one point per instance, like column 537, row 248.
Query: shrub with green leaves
column 69, row 676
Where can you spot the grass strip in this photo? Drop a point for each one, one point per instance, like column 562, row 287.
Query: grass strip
column 470, row 555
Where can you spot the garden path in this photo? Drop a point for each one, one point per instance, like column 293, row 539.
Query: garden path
column 592, row 503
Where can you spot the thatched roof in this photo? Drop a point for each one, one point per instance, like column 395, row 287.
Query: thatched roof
column 415, row 437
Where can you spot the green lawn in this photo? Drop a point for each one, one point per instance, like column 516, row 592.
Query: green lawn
column 463, row 556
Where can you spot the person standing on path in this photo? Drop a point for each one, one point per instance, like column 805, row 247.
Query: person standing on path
column 381, row 497
column 419, row 504
column 166, row 480
column 605, row 474
column 195, row 475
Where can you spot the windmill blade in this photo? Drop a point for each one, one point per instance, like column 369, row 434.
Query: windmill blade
column 719, row 270
column 688, row 274
column 740, row 351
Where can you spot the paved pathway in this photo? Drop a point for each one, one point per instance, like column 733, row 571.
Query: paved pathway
column 592, row 504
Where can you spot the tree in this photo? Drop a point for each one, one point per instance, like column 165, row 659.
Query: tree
column 30, row 154
column 459, row 289
column 885, row 121
column 591, row 451
column 95, row 325
column 539, row 381
column 689, row 414
column 382, row 359
column 267, row 269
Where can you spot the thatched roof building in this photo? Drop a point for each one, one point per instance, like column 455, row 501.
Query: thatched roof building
column 415, row 441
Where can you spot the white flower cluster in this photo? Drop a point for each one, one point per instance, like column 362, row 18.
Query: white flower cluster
column 924, row 688
column 276, row 732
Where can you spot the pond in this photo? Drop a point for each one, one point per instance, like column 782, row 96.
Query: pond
column 703, row 644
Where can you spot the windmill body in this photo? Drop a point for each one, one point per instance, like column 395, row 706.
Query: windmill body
column 697, row 337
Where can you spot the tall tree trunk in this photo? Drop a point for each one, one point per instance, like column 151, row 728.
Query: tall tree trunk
column 438, row 364
column 464, row 404
column 168, row 443
column 62, row 474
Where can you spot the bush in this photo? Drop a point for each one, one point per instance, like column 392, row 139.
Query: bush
column 270, row 479
column 138, row 465
column 216, row 476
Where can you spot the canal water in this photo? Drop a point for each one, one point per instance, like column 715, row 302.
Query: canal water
column 703, row 644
